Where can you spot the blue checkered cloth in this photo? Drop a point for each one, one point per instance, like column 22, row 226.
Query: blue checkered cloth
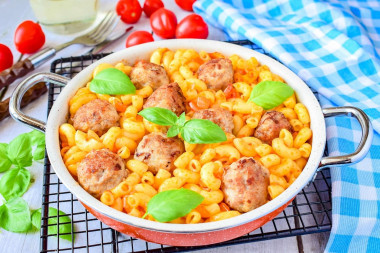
column 334, row 47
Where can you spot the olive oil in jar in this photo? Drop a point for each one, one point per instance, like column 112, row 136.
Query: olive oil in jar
column 65, row 16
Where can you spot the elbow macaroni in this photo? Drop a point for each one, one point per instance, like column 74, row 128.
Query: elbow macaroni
column 200, row 168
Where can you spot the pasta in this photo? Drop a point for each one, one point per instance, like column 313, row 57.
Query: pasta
column 200, row 167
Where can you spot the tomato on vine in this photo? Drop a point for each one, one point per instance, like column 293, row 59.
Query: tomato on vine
column 29, row 37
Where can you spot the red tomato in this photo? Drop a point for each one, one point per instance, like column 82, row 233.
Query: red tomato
column 151, row 6
column 6, row 57
column 230, row 92
column 163, row 23
column 192, row 26
column 224, row 207
column 138, row 37
column 187, row 5
column 129, row 11
column 29, row 37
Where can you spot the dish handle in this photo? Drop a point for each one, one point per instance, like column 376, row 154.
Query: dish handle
column 18, row 93
column 365, row 142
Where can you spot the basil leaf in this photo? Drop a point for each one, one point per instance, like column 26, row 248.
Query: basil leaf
column 16, row 216
column 269, row 94
column 64, row 226
column 36, row 137
column 181, row 120
column 169, row 205
column 37, row 140
column 2, row 207
column 202, row 131
column 159, row 116
column 20, row 151
column 14, row 183
column 173, row 131
column 5, row 163
column 113, row 82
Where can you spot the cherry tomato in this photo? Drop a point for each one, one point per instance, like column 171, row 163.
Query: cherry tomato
column 163, row 23
column 192, row 26
column 6, row 57
column 129, row 11
column 151, row 6
column 138, row 37
column 187, row 5
column 29, row 37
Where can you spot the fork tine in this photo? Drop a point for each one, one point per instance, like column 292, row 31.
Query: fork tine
column 104, row 26
column 96, row 28
column 107, row 30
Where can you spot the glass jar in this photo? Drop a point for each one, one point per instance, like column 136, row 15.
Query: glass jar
column 65, row 16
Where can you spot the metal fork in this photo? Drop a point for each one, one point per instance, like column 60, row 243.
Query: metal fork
column 92, row 38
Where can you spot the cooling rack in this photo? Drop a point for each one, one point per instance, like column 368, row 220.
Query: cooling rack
column 310, row 212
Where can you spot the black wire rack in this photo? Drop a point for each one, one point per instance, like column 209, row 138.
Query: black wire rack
column 310, row 212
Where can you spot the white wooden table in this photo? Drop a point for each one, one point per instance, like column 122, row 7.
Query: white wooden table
column 13, row 13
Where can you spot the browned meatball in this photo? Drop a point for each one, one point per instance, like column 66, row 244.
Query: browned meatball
column 168, row 96
column 219, row 116
column 216, row 73
column 98, row 115
column 101, row 170
column 270, row 126
column 146, row 73
column 159, row 151
column 245, row 184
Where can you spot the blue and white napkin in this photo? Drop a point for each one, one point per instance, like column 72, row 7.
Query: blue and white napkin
column 334, row 46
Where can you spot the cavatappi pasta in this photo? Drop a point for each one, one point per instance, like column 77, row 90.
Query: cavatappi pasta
column 201, row 166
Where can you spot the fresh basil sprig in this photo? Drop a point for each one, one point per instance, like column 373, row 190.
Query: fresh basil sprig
column 64, row 226
column 14, row 183
column 112, row 81
column 22, row 150
column 194, row 131
column 269, row 94
column 15, row 216
column 170, row 205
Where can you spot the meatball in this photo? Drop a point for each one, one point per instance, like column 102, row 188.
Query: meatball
column 159, row 151
column 146, row 73
column 219, row 116
column 97, row 115
column 101, row 170
column 168, row 96
column 216, row 73
column 270, row 126
column 245, row 184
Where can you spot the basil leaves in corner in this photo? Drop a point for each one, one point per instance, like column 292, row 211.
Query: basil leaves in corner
column 169, row 205
column 64, row 227
column 14, row 183
column 269, row 94
column 15, row 216
column 194, row 131
column 112, row 81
